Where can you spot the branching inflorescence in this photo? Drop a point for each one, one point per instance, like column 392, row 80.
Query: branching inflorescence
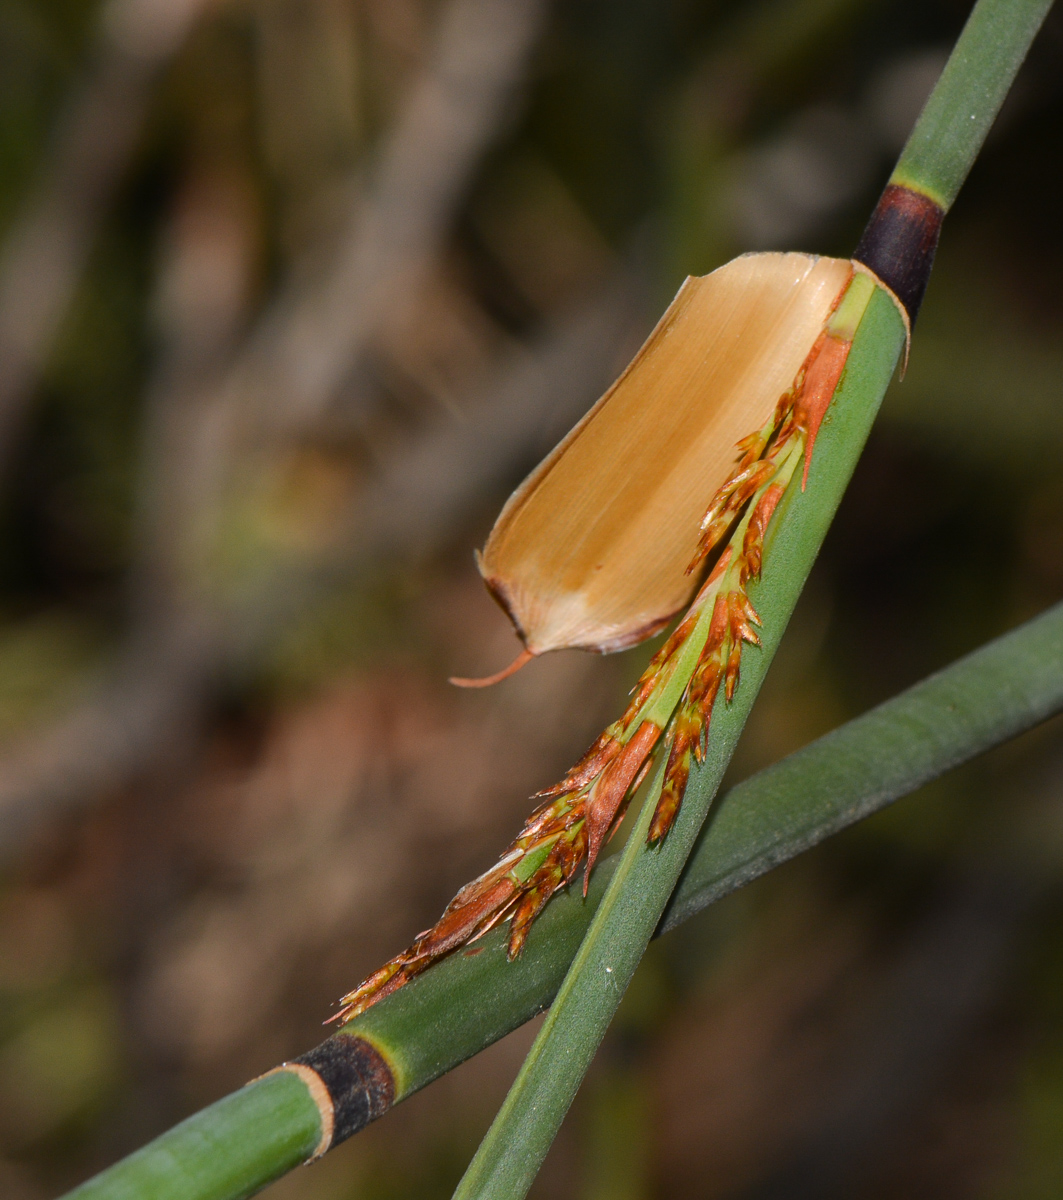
column 670, row 711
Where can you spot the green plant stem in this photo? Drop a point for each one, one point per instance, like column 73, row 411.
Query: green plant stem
column 225, row 1152
column 942, row 148
column 465, row 1003
column 644, row 878
column 953, row 125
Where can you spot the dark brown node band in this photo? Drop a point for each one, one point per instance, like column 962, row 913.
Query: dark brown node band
column 899, row 242
column 358, row 1080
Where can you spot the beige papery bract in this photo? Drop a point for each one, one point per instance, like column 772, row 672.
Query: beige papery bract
column 592, row 549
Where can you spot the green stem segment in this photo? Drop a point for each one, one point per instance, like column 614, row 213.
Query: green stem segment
column 954, row 123
column 902, row 235
column 445, row 1016
column 898, row 246
column 225, row 1152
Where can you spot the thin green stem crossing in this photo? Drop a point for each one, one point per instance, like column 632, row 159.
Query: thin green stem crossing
column 241, row 1143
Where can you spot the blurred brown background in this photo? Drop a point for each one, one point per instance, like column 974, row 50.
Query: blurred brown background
column 292, row 293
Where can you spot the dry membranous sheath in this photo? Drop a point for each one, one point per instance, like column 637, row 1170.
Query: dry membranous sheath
column 660, row 499
column 593, row 549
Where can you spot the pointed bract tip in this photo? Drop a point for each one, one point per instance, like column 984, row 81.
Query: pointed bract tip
column 522, row 659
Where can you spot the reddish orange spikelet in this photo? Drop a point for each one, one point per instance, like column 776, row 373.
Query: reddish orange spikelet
column 475, row 909
column 612, row 787
column 604, row 749
column 753, row 543
column 727, row 504
column 821, row 382
column 558, row 870
column 677, row 771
